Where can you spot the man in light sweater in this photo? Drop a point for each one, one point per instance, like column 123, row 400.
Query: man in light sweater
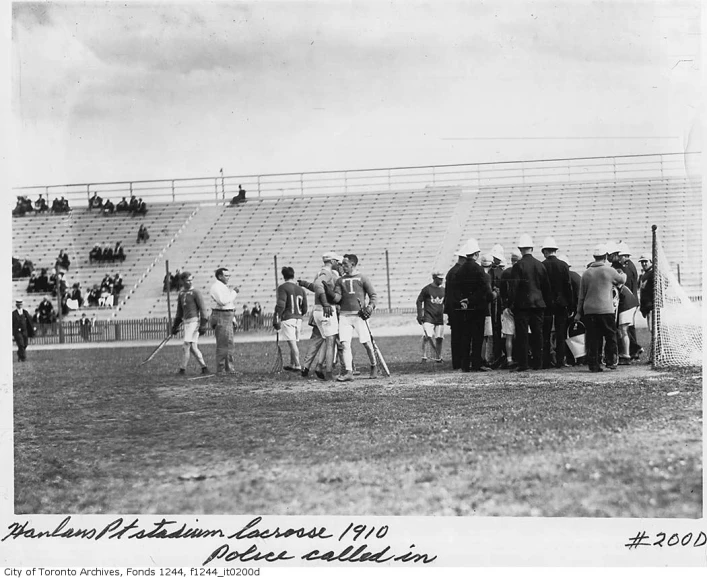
column 595, row 307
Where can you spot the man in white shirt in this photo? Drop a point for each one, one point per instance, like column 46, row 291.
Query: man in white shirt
column 222, row 320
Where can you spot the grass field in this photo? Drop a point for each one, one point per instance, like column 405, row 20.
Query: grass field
column 97, row 433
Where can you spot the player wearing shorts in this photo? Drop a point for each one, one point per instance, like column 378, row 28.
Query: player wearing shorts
column 290, row 307
column 192, row 312
column 355, row 294
column 430, row 315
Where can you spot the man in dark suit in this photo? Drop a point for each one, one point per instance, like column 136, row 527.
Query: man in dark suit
column 22, row 329
column 450, row 307
column 472, row 295
column 530, row 293
column 557, row 309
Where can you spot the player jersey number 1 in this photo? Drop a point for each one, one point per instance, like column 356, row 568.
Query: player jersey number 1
column 296, row 304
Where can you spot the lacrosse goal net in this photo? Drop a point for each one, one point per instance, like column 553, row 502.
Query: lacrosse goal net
column 677, row 321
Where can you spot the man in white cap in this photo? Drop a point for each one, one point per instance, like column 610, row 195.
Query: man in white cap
column 595, row 307
column 472, row 297
column 530, row 293
column 22, row 329
column 557, row 310
column 450, row 308
column 324, row 316
column 430, row 315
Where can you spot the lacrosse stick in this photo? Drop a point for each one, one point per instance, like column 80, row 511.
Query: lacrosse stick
column 157, row 349
column 379, row 356
column 277, row 363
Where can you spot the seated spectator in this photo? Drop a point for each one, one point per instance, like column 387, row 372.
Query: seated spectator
column 117, row 284
column 59, row 284
column 122, row 206
column 32, row 285
column 107, row 252
column 65, row 208
column 76, row 294
column 133, row 205
column 40, row 205
column 22, row 206
column 93, row 296
column 45, row 311
column 63, row 260
column 240, row 198
column 96, row 254
column 108, row 207
column 142, row 234
column 16, row 268
column 42, row 285
column 118, row 252
column 141, row 208
column 27, row 268
column 56, row 206
column 95, row 202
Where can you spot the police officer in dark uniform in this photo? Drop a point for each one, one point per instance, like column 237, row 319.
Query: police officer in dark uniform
column 22, row 329
column 449, row 307
column 472, row 296
column 557, row 310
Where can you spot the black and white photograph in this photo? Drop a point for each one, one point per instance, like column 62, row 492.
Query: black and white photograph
column 323, row 285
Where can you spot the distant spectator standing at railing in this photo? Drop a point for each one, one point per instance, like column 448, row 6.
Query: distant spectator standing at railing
column 192, row 312
column 142, row 234
column 122, row 206
column 245, row 318
column 85, row 327
column 256, row 313
column 224, row 299
column 95, row 202
column 22, row 329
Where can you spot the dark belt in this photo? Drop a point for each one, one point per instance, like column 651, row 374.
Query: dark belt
column 224, row 310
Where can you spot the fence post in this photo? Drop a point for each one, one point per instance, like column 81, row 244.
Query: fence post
column 275, row 260
column 172, row 190
column 216, row 190
column 654, row 337
column 301, row 183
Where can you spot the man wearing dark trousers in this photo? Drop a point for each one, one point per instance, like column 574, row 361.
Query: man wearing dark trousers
column 530, row 294
column 556, row 311
column 595, row 307
column 632, row 283
column 22, row 329
column 450, row 308
column 472, row 297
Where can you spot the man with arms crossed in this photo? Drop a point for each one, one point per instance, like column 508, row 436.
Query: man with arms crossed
column 190, row 309
column 222, row 320
column 431, row 316
column 350, row 292
column 291, row 305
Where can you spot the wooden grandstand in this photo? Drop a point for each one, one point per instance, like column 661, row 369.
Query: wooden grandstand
column 402, row 234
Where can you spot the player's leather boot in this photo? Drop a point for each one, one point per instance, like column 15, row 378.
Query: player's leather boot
column 204, row 370
column 374, row 372
column 348, row 376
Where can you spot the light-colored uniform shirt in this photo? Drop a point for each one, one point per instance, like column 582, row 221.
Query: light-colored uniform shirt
column 326, row 277
column 223, row 296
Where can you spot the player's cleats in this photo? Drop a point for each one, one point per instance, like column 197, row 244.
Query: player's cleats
column 204, row 370
column 320, row 374
column 305, row 372
column 439, row 360
column 181, row 371
column 348, row 376
column 374, row 372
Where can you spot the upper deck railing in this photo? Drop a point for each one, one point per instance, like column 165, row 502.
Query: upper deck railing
column 221, row 188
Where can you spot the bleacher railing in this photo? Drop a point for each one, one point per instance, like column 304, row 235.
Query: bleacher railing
column 220, row 188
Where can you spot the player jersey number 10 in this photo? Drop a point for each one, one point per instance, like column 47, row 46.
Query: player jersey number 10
column 296, row 304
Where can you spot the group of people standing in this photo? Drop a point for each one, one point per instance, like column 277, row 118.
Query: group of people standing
column 506, row 317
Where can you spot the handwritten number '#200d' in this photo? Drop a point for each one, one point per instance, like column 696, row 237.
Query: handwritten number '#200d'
column 360, row 530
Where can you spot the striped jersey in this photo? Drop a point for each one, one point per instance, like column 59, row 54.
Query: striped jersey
column 291, row 301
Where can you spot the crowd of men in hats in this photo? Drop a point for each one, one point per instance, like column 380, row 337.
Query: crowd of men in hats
column 518, row 317
column 25, row 206
column 134, row 206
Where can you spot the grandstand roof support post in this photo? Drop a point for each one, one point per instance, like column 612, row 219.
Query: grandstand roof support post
column 654, row 335
column 275, row 265
column 258, row 186
column 172, row 190
column 301, row 183
column 216, row 190
column 169, row 290
column 387, row 273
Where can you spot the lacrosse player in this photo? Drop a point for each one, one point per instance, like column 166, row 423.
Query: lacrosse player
column 350, row 292
column 431, row 317
column 291, row 306
column 192, row 312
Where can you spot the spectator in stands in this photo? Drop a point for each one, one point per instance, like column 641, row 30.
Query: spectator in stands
column 27, row 268
column 16, row 268
column 24, row 205
column 108, row 207
column 94, row 296
column 122, row 206
column 32, row 285
column 59, row 284
column 256, row 313
column 40, row 205
column 106, row 298
column 118, row 252
column 142, row 207
column 556, row 311
column 595, row 308
column 64, row 205
column 63, row 261
column 76, row 294
column 107, row 252
column 42, row 285
column 56, row 206
column 133, row 205
column 85, row 323
column 118, row 285
column 245, row 318
column 45, row 310
column 240, row 198
column 95, row 202
column 142, row 234
column 96, row 254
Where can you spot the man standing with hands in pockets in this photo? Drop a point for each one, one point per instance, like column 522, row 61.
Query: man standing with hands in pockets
column 222, row 320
